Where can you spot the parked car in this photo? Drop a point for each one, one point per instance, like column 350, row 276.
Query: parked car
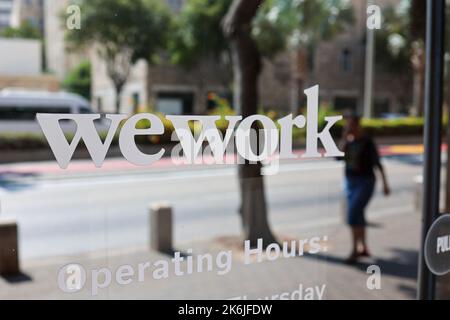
column 18, row 109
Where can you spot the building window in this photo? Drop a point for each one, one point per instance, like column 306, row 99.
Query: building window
column 175, row 103
column 346, row 60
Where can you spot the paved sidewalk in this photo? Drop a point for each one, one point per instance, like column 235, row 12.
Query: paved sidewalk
column 394, row 241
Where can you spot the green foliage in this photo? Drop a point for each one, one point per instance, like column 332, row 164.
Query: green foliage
column 410, row 126
column 394, row 42
column 15, row 141
column 122, row 31
column 139, row 27
column 283, row 23
column 198, row 33
column 278, row 24
column 79, row 80
column 394, row 127
column 161, row 139
column 26, row 30
column 402, row 33
column 223, row 107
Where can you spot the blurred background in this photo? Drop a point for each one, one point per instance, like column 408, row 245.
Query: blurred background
column 204, row 57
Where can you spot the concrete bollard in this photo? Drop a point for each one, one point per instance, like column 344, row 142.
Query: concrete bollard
column 9, row 254
column 161, row 227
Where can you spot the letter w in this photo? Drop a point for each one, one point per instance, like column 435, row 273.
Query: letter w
column 266, row 309
column 86, row 130
column 191, row 146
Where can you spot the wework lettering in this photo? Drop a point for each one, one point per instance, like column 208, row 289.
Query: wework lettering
column 239, row 130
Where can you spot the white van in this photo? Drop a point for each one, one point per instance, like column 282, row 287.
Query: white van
column 18, row 109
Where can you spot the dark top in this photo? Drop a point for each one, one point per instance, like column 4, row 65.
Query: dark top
column 361, row 156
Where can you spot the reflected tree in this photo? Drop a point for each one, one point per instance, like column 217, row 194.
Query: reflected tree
column 122, row 32
column 299, row 26
column 247, row 65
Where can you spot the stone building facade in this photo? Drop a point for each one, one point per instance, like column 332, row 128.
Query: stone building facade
column 339, row 68
column 31, row 11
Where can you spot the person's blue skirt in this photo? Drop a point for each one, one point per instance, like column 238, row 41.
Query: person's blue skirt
column 359, row 191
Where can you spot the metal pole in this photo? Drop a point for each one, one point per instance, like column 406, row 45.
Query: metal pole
column 368, row 81
column 432, row 134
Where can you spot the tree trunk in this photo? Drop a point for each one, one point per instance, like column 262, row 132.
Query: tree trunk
column 119, row 89
column 418, row 10
column 247, row 63
column 418, row 63
column 300, row 76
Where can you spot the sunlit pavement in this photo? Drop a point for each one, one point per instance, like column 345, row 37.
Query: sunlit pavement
column 84, row 214
column 394, row 240
column 61, row 220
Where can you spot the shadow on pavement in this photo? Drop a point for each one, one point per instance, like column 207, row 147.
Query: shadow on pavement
column 15, row 279
column 404, row 265
column 409, row 290
column 374, row 225
column 171, row 253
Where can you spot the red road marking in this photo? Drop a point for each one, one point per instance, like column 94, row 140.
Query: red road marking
column 114, row 165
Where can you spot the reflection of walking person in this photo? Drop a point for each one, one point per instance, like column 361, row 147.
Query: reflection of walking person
column 361, row 158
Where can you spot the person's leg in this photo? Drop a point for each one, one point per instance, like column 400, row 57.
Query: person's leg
column 365, row 250
column 364, row 197
column 353, row 257
column 358, row 199
column 360, row 239
column 354, row 231
column 350, row 192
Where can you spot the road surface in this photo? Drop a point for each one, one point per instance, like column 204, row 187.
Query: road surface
column 65, row 215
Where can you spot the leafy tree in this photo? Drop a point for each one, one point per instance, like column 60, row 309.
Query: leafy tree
column 283, row 24
column 79, row 80
column 198, row 37
column 401, row 44
column 256, row 29
column 122, row 32
column 247, row 61
column 198, row 32
column 299, row 26
column 252, row 30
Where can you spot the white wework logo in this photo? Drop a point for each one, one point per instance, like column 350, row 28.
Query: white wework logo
column 274, row 141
